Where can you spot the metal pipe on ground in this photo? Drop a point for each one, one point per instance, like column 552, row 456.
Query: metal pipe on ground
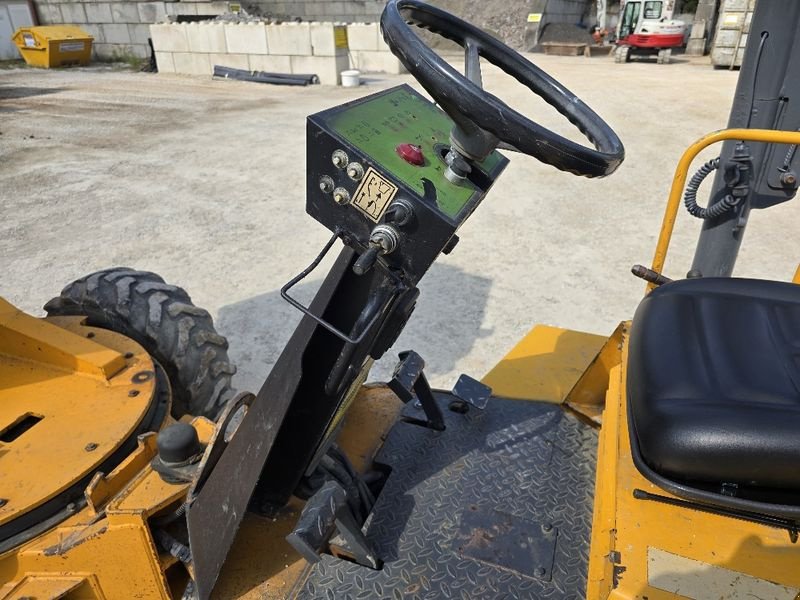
column 264, row 77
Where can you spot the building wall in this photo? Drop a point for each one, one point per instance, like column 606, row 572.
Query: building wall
column 120, row 28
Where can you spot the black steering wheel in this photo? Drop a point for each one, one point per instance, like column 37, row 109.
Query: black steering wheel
column 482, row 119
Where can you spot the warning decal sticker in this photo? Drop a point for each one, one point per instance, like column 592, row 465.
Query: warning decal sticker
column 374, row 195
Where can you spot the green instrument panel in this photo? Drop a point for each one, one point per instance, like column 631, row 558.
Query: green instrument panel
column 379, row 123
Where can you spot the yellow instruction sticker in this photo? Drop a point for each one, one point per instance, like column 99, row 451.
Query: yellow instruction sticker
column 534, row 17
column 340, row 37
column 374, row 195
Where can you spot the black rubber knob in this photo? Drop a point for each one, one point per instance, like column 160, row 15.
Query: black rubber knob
column 177, row 443
column 367, row 260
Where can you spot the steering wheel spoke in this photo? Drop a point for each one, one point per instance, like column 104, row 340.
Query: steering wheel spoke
column 472, row 63
column 483, row 121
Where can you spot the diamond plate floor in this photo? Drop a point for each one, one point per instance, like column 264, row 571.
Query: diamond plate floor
column 531, row 462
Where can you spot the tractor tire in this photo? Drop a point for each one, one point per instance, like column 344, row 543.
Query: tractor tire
column 163, row 320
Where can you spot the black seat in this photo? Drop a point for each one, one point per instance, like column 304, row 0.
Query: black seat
column 714, row 386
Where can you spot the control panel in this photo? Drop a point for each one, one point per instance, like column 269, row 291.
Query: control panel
column 377, row 171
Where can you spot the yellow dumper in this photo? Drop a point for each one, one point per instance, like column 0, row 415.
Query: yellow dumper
column 50, row 46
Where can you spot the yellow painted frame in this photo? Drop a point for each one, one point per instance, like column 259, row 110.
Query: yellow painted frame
column 625, row 530
column 682, row 170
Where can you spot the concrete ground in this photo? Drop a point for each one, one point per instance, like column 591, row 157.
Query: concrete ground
column 203, row 182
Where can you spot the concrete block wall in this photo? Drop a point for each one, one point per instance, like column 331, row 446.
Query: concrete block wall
column 120, row 28
column 324, row 10
column 368, row 52
column 308, row 48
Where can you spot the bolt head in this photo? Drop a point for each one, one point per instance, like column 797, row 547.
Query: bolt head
column 355, row 171
column 3, row 502
column 326, row 184
column 91, row 446
column 341, row 196
column 539, row 571
column 340, row 159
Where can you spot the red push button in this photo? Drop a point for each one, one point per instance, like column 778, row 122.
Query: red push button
column 411, row 153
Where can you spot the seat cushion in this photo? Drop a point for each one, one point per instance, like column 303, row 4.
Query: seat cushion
column 714, row 382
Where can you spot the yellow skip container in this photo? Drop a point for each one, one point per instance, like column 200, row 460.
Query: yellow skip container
column 49, row 46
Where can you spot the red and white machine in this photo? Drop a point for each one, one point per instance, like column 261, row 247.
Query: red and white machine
column 646, row 28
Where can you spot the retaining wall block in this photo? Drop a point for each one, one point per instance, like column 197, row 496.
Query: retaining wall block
column 139, row 33
column 234, row 61
column 120, row 51
column 364, row 36
column 271, row 63
column 169, row 38
column 328, row 68
column 211, row 8
column 377, row 62
column 698, row 30
column 73, row 13
column 138, row 50
column 98, row 12
column 696, row 47
column 49, row 14
column 103, row 51
column 124, row 12
column 180, row 8
column 324, row 38
column 165, row 62
column 206, row 37
column 115, row 33
column 191, row 63
column 246, row 38
column 152, row 12
column 95, row 31
column 734, row 5
column 289, row 39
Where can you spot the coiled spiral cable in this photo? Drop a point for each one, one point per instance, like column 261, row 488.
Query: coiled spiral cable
column 690, row 195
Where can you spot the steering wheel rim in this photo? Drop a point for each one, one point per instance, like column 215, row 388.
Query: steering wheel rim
column 470, row 106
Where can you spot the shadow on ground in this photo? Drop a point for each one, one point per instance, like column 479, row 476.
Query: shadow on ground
column 443, row 329
column 13, row 92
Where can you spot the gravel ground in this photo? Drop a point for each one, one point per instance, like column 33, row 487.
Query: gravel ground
column 202, row 181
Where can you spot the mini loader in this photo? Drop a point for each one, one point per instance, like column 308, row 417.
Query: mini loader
column 662, row 461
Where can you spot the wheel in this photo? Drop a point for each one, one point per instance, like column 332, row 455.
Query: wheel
column 482, row 119
column 162, row 318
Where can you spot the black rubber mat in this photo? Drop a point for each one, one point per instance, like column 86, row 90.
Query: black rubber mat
column 499, row 505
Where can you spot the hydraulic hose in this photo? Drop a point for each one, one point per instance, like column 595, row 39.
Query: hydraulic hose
column 690, row 195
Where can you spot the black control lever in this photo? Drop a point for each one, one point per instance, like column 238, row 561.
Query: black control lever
column 367, row 260
column 384, row 239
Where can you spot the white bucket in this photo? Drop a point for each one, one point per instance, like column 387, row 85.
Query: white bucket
column 351, row 78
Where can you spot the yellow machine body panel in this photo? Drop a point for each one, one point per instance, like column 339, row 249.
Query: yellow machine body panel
column 59, row 381
column 649, row 549
column 70, row 397
column 544, row 365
